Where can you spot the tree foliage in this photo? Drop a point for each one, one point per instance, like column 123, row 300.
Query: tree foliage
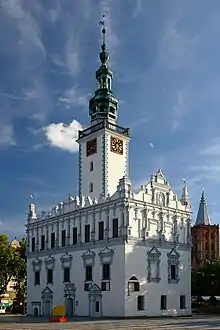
column 20, row 272
column 206, row 280
column 7, row 258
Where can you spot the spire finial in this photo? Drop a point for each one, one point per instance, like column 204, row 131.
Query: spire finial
column 103, row 55
column 102, row 23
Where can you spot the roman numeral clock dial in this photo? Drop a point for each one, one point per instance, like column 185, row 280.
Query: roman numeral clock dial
column 116, row 145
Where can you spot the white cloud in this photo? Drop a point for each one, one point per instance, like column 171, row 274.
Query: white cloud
column 151, row 145
column 7, row 136
column 176, row 49
column 178, row 109
column 138, row 8
column 213, row 149
column 63, row 136
column 72, row 96
column 26, row 24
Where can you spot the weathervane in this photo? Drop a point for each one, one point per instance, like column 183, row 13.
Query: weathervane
column 102, row 23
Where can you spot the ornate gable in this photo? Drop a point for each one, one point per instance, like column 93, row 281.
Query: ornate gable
column 46, row 290
column 88, row 257
column 154, row 251
column 106, row 255
column 173, row 253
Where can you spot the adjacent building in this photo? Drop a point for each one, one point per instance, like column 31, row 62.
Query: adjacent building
column 205, row 237
column 110, row 251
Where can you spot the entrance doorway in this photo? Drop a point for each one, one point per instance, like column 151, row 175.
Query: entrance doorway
column 69, row 307
column 47, row 309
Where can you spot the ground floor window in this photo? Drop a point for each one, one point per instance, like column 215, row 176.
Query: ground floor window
column 182, row 302
column 97, row 306
column 140, row 303
column 163, row 302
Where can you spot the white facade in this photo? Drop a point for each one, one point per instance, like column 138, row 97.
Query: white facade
column 153, row 235
column 107, row 167
column 110, row 251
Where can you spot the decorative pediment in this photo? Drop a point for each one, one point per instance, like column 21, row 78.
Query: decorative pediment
column 106, row 255
column 66, row 260
column 36, row 263
column 154, row 251
column 94, row 288
column 95, row 291
column 49, row 262
column 69, row 289
column 88, row 257
column 46, row 294
column 173, row 253
column 46, row 290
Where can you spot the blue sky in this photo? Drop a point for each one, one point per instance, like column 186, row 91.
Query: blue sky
column 165, row 57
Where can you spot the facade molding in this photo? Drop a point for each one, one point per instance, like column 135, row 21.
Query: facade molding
column 88, row 258
column 153, row 259
column 49, row 262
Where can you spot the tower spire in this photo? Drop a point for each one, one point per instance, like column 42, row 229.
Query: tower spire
column 203, row 218
column 103, row 105
column 185, row 195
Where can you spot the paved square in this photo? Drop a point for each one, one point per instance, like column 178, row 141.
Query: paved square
column 195, row 323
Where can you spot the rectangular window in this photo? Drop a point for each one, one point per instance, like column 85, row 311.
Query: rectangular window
column 33, row 244
column 63, row 238
column 87, row 286
column 163, row 302
column 91, row 166
column 140, row 303
column 50, row 276
column 106, row 271
column 91, row 187
column 52, row 240
column 74, row 235
column 101, row 230
column 37, row 278
column 105, row 285
column 88, row 273
column 87, row 233
column 42, row 246
column 182, row 302
column 173, row 272
column 66, row 275
column 115, row 227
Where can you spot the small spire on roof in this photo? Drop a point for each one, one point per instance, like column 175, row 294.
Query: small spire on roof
column 185, row 195
column 203, row 218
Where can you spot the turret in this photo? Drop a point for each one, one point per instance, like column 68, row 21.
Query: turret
column 103, row 104
column 185, row 195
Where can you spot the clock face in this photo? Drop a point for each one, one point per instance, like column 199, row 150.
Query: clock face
column 91, row 147
column 116, row 145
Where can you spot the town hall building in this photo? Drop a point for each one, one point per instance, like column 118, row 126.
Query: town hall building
column 111, row 251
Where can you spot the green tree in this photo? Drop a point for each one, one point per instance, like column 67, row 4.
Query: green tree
column 20, row 272
column 206, row 281
column 7, row 258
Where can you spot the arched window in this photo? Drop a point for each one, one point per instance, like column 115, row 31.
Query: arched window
column 213, row 246
column 109, row 83
column 206, row 236
column 212, row 236
column 133, row 285
column 206, row 246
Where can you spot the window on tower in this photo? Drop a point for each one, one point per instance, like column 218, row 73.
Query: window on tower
column 91, row 166
column 109, row 83
column 91, row 187
column 112, row 110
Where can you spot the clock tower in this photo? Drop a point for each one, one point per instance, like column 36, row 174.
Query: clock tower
column 104, row 146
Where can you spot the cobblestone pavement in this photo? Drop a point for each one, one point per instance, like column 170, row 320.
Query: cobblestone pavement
column 194, row 323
